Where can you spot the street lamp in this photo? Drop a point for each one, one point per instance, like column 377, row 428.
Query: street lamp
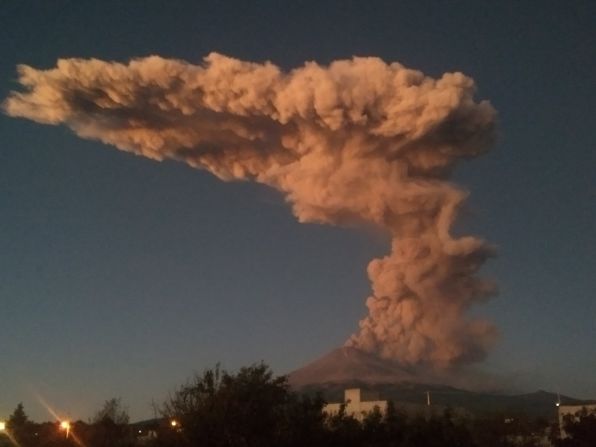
column 174, row 423
column 65, row 426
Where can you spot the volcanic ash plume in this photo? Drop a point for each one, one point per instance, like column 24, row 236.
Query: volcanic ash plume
column 359, row 141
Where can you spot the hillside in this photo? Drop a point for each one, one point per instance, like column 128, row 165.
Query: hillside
column 350, row 368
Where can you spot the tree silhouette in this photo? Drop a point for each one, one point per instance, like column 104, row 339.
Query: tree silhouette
column 251, row 408
column 580, row 429
column 110, row 426
column 114, row 410
column 20, row 428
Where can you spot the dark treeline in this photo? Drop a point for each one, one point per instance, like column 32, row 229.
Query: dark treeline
column 253, row 408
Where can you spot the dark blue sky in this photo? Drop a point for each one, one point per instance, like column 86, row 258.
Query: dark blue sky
column 120, row 276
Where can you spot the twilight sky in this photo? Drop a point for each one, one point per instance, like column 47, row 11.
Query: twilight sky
column 121, row 276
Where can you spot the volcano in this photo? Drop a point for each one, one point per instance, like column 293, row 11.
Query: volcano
column 470, row 390
column 352, row 366
column 348, row 365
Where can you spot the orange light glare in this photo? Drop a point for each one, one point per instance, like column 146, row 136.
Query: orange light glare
column 65, row 425
column 2, row 425
column 174, row 423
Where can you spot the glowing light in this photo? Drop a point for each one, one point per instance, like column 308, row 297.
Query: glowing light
column 174, row 423
column 2, row 425
column 65, row 425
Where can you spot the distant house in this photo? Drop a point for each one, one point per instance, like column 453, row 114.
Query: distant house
column 146, row 431
column 357, row 404
column 573, row 410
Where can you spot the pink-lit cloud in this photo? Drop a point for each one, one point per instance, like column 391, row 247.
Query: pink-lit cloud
column 358, row 141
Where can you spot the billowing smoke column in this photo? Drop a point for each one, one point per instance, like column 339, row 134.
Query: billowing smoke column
column 359, row 141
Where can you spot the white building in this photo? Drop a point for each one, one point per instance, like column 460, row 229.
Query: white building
column 355, row 405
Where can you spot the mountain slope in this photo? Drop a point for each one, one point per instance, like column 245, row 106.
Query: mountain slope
column 343, row 365
column 351, row 368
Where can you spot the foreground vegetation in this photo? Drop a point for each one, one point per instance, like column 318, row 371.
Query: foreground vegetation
column 253, row 408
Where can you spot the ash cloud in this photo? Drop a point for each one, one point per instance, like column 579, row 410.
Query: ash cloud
column 358, row 141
